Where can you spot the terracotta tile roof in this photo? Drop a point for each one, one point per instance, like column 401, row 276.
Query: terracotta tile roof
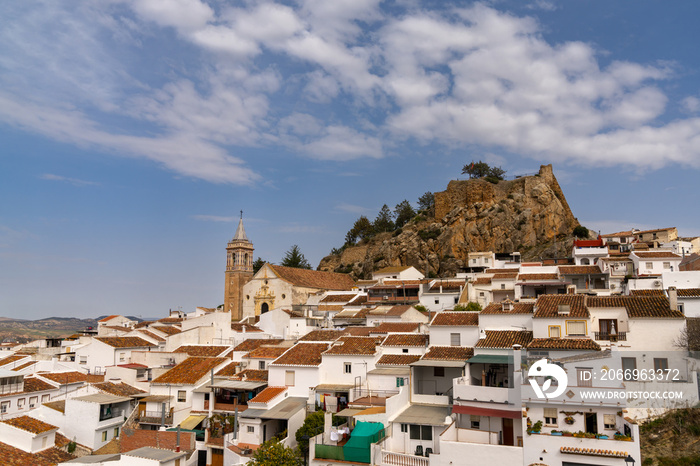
column 405, row 340
column 647, row 293
column 61, row 440
column 397, row 359
column 392, row 311
column 268, row 394
column 330, row 307
column 689, row 292
column 11, row 359
column 22, row 366
column 251, row 343
column 548, row 306
column 190, row 371
column 293, row 313
column 482, row 281
column 12, row 456
column 238, row 327
column 617, row 235
column 302, row 354
column 119, row 389
column 151, row 335
column 516, row 308
column 505, row 339
column 358, row 331
column 593, row 452
column 656, row 230
column 125, row 342
column 537, row 276
column 392, row 269
column 33, row 384
column 399, row 283
column 118, row 328
column 505, row 276
column 657, row 255
column 447, row 285
column 29, row 424
column 354, row 346
column 202, row 350
column 252, row 374
column 229, row 370
column 638, row 306
column 167, row 329
column 564, row 344
column 266, row 352
column 338, row 298
column 105, row 319
column 170, row 320
column 144, row 323
column 71, row 377
column 455, row 319
column 510, row 270
column 449, row 353
column 359, row 299
column 395, row 327
column 59, row 405
column 313, row 278
column 322, row 335
column 579, row 269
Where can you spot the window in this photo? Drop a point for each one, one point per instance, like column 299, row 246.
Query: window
column 400, row 381
column 121, row 357
column 20, row 403
column 475, row 421
column 660, row 364
column 251, row 429
column 404, row 428
column 104, row 436
column 438, row 372
column 348, row 367
column 650, row 265
column 681, row 309
column 455, row 339
column 261, row 365
column 437, row 301
column 481, row 294
column 554, row 331
column 4, row 407
column 550, row 416
column 667, row 265
column 289, row 378
column 404, row 350
column 33, row 401
column 83, row 359
column 584, row 377
column 45, row 398
column 456, row 300
column 576, row 327
column 116, row 432
column 629, row 365
column 421, row 432
column 609, row 421
column 181, row 396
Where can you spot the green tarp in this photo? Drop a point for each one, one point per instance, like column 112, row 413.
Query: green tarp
column 358, row 448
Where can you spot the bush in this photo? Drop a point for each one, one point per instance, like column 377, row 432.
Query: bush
column 580, row 232
column 431, row 233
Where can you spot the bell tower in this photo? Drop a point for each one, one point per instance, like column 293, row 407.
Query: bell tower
column 239, row 271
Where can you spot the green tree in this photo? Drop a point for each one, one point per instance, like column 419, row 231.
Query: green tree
column 361, row 229
column 312, row 426
column 482, row 169
column 383, row 221
column 294, row 258
column 274, row 453
column 581, row 232
column 473, row 307
column 426, row 203
column 403, row 213
column 257, row 265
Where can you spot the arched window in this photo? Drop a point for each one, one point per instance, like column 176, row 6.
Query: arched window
column 246, row 259
column 264, row 308
column 585, row 262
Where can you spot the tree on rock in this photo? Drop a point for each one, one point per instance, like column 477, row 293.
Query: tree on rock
column 426, row 203
column 294, row 258
column 403, row 213
column 361, row 229
column 383, row 221
column 482, row 169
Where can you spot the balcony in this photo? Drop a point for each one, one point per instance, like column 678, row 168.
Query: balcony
column 604, row 336
column 154, row 417
column 389, row 458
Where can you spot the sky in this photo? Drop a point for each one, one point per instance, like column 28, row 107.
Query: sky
column 133, row 132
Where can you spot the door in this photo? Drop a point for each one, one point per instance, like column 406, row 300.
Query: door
column 142, row 409
column 607, row 327
column 264, row 437
column 217, row 457
column 508, row 432
column 592, row 423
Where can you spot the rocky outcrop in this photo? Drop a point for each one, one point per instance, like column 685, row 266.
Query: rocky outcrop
column 529, row 215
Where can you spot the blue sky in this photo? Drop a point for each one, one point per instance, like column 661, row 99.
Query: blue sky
column 133, row 131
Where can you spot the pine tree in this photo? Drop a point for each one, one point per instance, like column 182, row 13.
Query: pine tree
column 383, row 221
column 403, row 213
column 294, row 258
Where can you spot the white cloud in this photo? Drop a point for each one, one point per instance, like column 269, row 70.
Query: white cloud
column 691, row 104
column 354, row 209
column 180, row 14
column 73, row 181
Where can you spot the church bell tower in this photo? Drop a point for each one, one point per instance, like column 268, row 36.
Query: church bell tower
column 239, row 271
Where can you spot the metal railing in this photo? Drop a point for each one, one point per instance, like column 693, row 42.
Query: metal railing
column 154, row 417
column 605, row 336
column 399, row 459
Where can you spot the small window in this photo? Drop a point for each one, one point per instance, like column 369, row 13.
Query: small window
column 400, row 381
column 4, row 407
column 455, row 339
column 584, row 377
column 438, row 372
column 45, row 398
column 554, row 331
column 289, row 378
column 20, row 403
column 404, row 350
column 348, row 367
column 503, row 286
column 650, row 265
column 474, row 421
column 420, row 432
column 33, row 400
column 404, row 428
column 116, row 432
column 437, row 301
column 609, row 421
column 667, row 265
column 456, row 300
column 121, row 357
column 550, row 416
column 251, row 429
column 83, row 359
column 181, row 396
column 576, row 327
column 481, row 294
column 261, row 365
column 104, row 436
column 660, row 364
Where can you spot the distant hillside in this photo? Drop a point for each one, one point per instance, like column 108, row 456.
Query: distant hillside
column 51, row 327
column 529, row 214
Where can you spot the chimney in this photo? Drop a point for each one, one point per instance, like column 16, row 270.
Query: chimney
column 673, row 298
column 571, row 289
column 177, row 446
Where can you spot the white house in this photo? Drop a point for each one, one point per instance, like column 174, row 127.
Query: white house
column 19, row 394
column 109, row 351
column 655, row 262
column 454, row 329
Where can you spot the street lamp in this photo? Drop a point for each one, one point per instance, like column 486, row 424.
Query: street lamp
column 629, row 461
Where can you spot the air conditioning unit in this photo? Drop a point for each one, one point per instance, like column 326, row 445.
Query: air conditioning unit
column 613, row 286
column 657, row 283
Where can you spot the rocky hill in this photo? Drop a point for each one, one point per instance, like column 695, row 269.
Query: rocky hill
column 20, row 330
column 528, row 214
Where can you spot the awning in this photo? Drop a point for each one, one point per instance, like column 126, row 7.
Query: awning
column 231, row 385
column 334, row 387
column 491, row 359
column 492, row 412
column 348, row 412
column 438, row 363
column 192, row 421
column 405, row 371
column 424, row 414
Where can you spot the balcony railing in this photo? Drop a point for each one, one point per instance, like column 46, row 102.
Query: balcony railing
column 605, row 336
column 154, row 417
column 111, row 414
column 390, row 458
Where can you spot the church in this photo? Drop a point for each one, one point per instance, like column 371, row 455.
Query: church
column 273, row 286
